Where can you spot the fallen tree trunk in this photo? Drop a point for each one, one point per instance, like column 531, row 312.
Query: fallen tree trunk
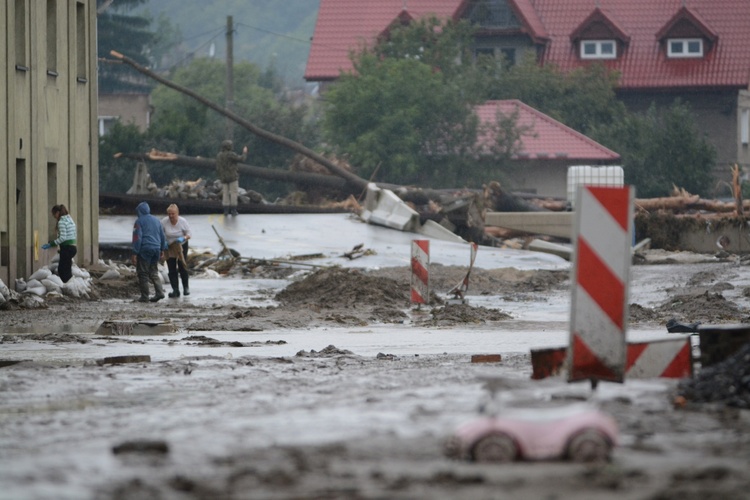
column 357, row 182
column 303, row 179
column 694, row 202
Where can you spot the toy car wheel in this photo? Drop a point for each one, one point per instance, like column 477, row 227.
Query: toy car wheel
column 495, row 448
column 589, row 446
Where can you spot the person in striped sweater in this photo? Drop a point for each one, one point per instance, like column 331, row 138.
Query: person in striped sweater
column 65, row 241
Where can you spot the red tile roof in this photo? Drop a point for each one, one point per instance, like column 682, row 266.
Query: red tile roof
column 643, row 63
column 344, row 25
column 546, row 137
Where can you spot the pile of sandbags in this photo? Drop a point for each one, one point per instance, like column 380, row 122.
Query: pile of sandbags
column 44, row 283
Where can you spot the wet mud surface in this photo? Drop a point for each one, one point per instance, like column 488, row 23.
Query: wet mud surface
column 329, row 423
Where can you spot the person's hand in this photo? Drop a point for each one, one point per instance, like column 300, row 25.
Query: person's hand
column 244, row 150
column 46, row 246
column 134, row 259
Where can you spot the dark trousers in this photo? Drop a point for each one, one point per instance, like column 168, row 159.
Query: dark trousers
column 175, row 266
column 65, row 266
column 147, row 270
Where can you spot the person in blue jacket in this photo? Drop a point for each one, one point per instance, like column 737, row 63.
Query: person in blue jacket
column 149, row 245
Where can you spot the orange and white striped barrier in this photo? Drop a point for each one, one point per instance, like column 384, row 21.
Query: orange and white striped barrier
column 601, row 273
column 420, row 274
column 657, row 359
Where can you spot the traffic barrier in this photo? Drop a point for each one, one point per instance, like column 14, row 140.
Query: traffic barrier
column 599, row 307
column 420, row 274
column 656, row 359
column 660, row 358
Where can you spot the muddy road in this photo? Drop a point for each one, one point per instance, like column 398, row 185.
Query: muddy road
column 227, row 410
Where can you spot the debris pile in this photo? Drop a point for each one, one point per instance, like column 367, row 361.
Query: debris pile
column 727, row 382
column 200, row 189
column 341, row 287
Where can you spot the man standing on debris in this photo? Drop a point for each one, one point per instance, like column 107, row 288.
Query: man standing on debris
column 66, row 241
column 226, row 166
column 177, row 230
column 149, row 245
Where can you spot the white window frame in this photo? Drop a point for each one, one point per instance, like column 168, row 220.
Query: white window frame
column 598, row 46
column 104, row 121
column 745, row 127
column 684, row 43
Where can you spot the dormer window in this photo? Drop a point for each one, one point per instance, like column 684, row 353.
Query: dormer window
column 685, row 47
column 687, row 35
column 599, row 36
column 598, row 49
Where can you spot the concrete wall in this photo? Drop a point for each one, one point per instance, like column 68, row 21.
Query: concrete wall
column 47, row 129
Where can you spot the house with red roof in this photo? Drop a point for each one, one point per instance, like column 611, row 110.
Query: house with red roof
column 545, row 150
column 694, row 50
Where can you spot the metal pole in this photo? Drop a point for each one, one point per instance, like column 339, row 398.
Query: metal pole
column 230, row 76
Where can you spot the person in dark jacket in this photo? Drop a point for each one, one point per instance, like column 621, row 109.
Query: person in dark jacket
column 226, row 168
column 149, row 245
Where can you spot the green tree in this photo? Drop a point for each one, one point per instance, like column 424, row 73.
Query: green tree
column 116, row 175
column 182, row 125
column 405, row 114
column 396, row 116
column 583, row 99
column 127, row 34
column 661, row 149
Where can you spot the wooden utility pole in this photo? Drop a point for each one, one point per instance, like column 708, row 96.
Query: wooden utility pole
column 230, row 76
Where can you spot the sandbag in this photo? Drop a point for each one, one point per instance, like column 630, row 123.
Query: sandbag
column 40, row 290
column 40, row 274
column 111, row 274
column 52, row 286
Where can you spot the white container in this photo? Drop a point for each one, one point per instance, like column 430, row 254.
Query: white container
column 611, row 176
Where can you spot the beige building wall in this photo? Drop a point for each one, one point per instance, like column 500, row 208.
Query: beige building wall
column 546, row 178
column 48, row 130
column 129, row 109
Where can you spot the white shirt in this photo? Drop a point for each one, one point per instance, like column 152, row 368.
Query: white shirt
column 174, row 231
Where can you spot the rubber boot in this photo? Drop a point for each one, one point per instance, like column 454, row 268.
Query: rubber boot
column 226, row 210
column 175, row 286
column 159, row 291
column 234, row 211
column 143, row 286
column 185, row 287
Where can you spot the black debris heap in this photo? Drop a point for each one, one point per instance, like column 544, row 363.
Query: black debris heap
column 726, row 382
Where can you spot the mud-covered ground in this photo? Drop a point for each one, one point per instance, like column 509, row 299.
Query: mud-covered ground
column 330, row 423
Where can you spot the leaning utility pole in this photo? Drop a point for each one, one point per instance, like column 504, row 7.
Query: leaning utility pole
column 230, row 76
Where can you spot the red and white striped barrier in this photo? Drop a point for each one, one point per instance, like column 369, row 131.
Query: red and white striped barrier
column 661, row 358
column 657, row 359
column 601, row 273
column 420, row 274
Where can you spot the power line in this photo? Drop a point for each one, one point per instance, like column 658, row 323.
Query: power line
column 274, row 33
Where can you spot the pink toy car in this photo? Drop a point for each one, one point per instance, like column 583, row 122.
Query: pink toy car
column 578, row 433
